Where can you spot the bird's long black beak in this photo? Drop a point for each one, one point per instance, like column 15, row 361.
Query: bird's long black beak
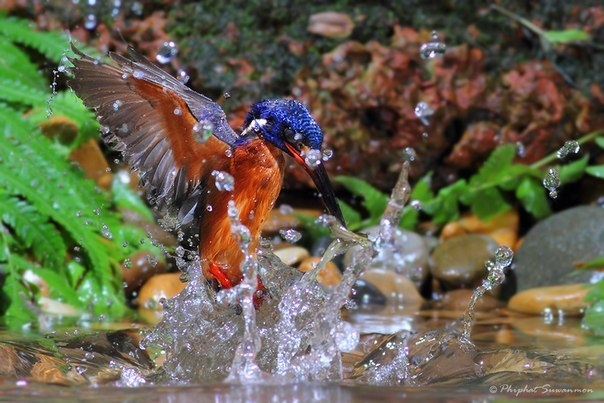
column 322, row 182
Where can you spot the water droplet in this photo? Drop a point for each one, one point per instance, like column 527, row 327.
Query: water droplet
column 290, row 235
column 224, row 181
column 520, row 149
column 228, row 153
column 209, row 207
column 97, row 211
column 138, row 74
column 551, row 181
column 423, row 112
column 183, row 76
column 503, row 256
column 425, row 135
column 569, row 147
column 327, row 154
column 180, row 251
column 409, row 154
column 90, row 21
column 137, row 8
column 167, row 51
column 117, row 104
column 203, row 130
column 416, row 205
column 127, row 263
column 21, row 382
column 313, row 158
column 106, row 232
column 286, row 209
column 227, row 95
column 432, row 49
column 177, row 111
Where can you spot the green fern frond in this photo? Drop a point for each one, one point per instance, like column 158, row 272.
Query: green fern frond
column 51, row 44
column 34, row 231
column 16, row 66
column 19, row 93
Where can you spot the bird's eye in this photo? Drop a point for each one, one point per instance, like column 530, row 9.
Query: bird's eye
column 290, row 135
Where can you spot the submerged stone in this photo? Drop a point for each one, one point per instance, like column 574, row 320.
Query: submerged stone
column 552, row 248
column 566, row 299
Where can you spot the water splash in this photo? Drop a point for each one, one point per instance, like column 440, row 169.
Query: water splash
column 290, row 235
column 552, row 182
column 167, row 52
column 569, row 147
column 433, row 49
column 224, row 181
column 313, row 158
column 203, row 130
column 496, row 269
column 423, row 111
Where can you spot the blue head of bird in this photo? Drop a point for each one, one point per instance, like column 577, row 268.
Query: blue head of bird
column 289, row 126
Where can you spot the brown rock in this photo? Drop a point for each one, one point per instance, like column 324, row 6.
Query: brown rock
column 140, row 267
column 61, row 127
column 503, row 228
column 457, row 300
column 568, row 298
column 329, row 276
column 292, row 255
column 160, row 286
column 92, row 161
column 397, row 288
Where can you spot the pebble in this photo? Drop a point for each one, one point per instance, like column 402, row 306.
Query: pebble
column 568, row 298
column 92, row 161
column 329, row 276
column 364, row 293
column 165, row 285
column 292, row 255
column 139, row 269
column 458, row 262
column 503, row 228
column 397, row 288
column 331, row 24
column 552, row 247
column 409, row 255
column 458, row 300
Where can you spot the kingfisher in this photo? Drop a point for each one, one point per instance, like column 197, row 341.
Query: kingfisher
column 158, row 124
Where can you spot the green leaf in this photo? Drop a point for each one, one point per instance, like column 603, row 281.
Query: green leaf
column 595, row 170
column 600, row 142
column 566, row 36
column 351, row 216
column 487, row 203
column 597, row 263
column 59, row 287
column 594, row 317
column 532, row 195
column 51, row 44
column 125, row 197
column 574, row 171
column 447, row 207
column 373, row 200
column 495, row 168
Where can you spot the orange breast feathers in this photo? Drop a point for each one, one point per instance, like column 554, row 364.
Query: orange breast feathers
column 257, row 168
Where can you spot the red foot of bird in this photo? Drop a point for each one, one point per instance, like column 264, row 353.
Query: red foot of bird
column 225, row 283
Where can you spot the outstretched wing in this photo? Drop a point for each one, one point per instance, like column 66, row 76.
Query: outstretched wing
column 153, row 119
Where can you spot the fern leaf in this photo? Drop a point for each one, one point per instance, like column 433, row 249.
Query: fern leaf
column 34, row 231
column 51, row 44
column 16, row 66
column 19, row 93
column 495, row 167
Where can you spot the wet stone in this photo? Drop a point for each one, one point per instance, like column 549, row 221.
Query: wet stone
column 364, row 293
column 458, row 262
column 92, row 161
column 329, row 276
column 568, row 298
column 552, row 247
column 458, row 300
column 397, row 288
column 292, row 255
column 158, row 287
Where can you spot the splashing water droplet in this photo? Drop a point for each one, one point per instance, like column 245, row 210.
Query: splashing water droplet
column 569, row 147
column 224, row 181
column 183, row 76
column 228, row 153
column 504, row 256
column 167, row 51
column 423, row 112
column 416, row 205
column 106, row 232
column 209, row 207
column 432, row 49
column 313, row 158
column 203, row 130
column 409, row 154
column 177, row 111
column 520, row 149
column 226, row 95
column 290, row 235
column 117, row 104
column 551, row 181
column 137, row 8
column 90, row 21
column 286, row 209
column 327, row 154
